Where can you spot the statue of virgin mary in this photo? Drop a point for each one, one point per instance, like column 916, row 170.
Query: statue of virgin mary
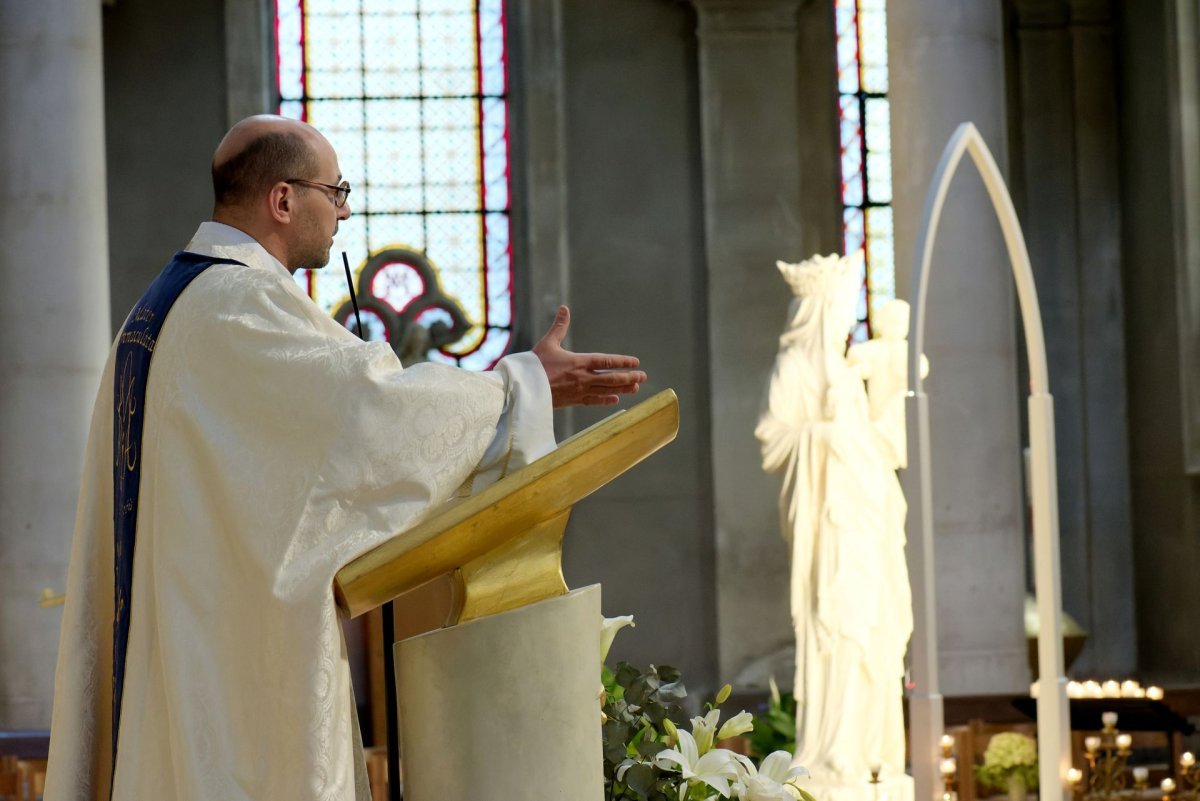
column 842, row 513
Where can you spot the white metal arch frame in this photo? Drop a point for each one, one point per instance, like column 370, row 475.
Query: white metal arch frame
column 925, row 702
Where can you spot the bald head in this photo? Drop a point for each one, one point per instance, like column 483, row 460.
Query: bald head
column 259, row 152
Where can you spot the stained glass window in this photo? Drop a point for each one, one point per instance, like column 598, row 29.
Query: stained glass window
column 413, row 96
column 866, row 150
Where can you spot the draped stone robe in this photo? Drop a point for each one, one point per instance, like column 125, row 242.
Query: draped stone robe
column 276, row 448
column 842, row 513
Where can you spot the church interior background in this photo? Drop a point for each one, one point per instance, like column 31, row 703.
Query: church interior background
column 646, row 162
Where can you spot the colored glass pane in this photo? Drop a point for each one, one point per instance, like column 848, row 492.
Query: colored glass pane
column 413, row 96
column 866, row 150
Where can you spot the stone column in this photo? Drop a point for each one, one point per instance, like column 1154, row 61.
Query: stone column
column 54, row 320
column 751, row 136
column 1159, row 84
column 947, row 67
column 1065, row 171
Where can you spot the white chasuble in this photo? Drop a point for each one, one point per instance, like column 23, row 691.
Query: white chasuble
column 276, row 447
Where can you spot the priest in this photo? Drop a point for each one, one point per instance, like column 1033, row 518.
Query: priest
column 244, row 446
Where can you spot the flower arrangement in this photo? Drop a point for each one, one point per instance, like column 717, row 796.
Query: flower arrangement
column 651, row 755
column 1010, row 763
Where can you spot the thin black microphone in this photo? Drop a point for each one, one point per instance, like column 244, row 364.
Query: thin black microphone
column 353, row 299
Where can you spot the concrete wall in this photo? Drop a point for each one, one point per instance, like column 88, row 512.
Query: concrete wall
column 165, row 111
column 635, row 243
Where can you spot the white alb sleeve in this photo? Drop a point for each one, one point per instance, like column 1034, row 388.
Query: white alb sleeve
column 525, row 431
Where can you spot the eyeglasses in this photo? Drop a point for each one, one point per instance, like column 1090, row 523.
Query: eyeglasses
column 342, row 190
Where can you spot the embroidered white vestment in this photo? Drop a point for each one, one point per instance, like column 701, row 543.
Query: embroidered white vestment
column 276, row 447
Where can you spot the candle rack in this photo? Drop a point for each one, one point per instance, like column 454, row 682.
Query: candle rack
column 1187, row 787
column 1108, row 776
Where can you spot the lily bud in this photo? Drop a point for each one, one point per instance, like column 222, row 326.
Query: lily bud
column 736, row 726
column 724, row 693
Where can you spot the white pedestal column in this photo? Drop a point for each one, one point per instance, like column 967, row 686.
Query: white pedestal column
column 54, row 320
column 506, row 707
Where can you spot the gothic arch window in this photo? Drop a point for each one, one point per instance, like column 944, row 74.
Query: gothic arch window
column 413, row 94
column 864, row 118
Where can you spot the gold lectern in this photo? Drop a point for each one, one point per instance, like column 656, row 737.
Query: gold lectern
column 502, row 702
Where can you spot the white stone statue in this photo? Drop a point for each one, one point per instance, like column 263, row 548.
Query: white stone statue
column 843, row 514
column 883, row 364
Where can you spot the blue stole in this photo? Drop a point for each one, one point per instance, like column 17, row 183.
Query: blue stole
column 132, row 366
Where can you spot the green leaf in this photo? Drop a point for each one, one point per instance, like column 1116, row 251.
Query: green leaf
column 632, row 748
column 657, row 713
column 667, row 673
column 672, row 692
column 626, row 674
column 615, row 735
column 640, row 778
column 650, row 748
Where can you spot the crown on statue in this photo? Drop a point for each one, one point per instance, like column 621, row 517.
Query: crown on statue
column 822, row 275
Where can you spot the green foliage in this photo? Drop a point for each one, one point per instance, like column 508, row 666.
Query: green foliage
column 775, row 729
column 636, row 706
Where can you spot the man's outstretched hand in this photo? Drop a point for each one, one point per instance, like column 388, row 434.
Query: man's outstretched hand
column 584, row 379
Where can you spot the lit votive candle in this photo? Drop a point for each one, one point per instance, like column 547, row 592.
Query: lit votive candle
column 947, row 744
column 1124, row 741
column 1141, row 773
column 1091, row 689
column 1129, row 689
column 1141, row 693
column 1168, row 785
column 1111, row 689
column 949, row 766
column 1108, row 719
column 1154, row 693
column 1074, row 689
column 1074, row 775
column 1091, row 743
column 1187, row 759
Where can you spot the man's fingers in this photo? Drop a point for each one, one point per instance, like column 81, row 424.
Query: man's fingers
column 558, row 329
column 601, row 400
column 607, row 361
column 616, row 389
column 617, row 379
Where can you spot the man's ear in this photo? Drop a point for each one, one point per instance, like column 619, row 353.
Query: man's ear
column 279, row 202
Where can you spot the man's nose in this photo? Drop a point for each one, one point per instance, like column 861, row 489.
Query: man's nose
column 344, row 211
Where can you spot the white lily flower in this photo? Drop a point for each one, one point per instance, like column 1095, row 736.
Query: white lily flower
column 717, row 768
column 609, row 627
column 704, row 729
column 770, row 781
column 740, row 723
